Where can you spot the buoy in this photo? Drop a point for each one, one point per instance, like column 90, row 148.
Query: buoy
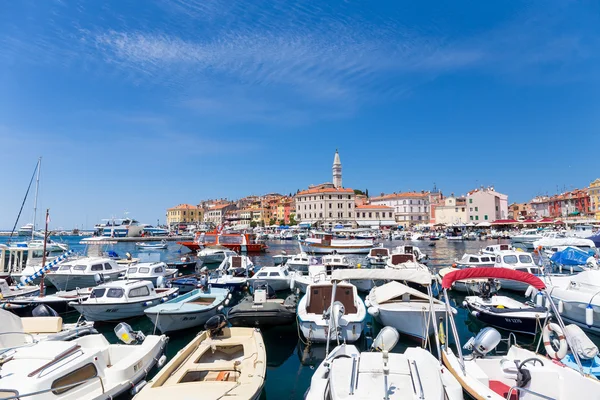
column 561, row 307
column 373, row 311
column 539, row 299
column 358, row 266
column 589, row 315
column 499, row 306
column 226, row 302
column 571, row 270
column 161, row 361
column 220, row 308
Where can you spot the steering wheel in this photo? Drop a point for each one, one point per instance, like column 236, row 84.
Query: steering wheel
column 533, row 359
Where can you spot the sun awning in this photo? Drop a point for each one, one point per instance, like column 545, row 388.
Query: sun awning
column 373, row 222
column 421, row 277
column 496, row 273
column 504, row 222
column 392, row 290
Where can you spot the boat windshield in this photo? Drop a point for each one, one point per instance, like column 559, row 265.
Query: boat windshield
column 97, row 293
column 79, row 268
column 525, row 259
column 65, row 268
column 132, row 270
column 115, row 293
column 144, row 270
column 510, row 259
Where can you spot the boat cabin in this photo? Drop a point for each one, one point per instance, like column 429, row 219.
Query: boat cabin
column 336, row 261
column 272, row 273
column 398, row 259
column 379, row 252
column 476, row 260
column 319, row 298
column 149, row 270
column 496, row 248
column 517, row 260
column 92, row 266
column 122, row 291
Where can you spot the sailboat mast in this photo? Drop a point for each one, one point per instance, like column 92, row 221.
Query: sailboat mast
column 37, row 186
column 42, row 288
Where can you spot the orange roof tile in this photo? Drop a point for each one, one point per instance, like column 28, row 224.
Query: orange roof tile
column 326, row 190
column 183, row 207
column 372, row 207
column 399, row 196
column 219, row 206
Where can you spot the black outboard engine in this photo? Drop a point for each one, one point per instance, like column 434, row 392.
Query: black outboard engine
column 485, row 289
column 43, row 311
column 215, row 325
column 239, row 272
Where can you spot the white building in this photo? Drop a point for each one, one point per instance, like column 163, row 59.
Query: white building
column 410, row 208
column 215, row 214
column 370, row 215
column 485, row 204
column 328, row 203
column 452, row 211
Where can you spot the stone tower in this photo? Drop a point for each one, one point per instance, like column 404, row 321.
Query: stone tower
column 337, row 171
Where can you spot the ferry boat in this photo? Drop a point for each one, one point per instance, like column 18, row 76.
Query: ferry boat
column 240, row 243
column 120, row 227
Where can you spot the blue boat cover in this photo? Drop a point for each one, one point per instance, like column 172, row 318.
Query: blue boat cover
column 596, row 239
column 570, row 256
column 591, row 366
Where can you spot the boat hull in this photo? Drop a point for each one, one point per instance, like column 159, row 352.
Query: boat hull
column 318, row 331
column 524, row 322
column 72, row 281
column 316, row 248
column 169, row 322
column 115, row 311
column 415, row 323
column 251, row 315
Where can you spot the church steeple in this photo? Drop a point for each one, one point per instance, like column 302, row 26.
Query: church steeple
column 337, row 170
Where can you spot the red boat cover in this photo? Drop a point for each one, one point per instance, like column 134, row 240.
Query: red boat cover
column 496, row 273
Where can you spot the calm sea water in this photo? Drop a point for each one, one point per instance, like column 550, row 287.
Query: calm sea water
column 290, row 363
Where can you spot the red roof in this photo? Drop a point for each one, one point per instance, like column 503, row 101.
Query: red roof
column 496, row 273
column 546, row 221
column 504, row 222
column 184, row 207
column 529, row 221
column 326, row 190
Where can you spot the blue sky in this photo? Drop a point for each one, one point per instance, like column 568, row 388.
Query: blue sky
column 140, row 105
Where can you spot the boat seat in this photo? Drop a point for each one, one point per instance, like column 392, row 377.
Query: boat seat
column 509, row 368
column 502, row 389
column 42, row 324
column 203, row 301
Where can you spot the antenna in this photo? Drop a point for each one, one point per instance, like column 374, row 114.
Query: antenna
column 37, row 187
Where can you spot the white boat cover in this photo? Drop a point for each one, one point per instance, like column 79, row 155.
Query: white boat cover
column 567, row 241
column 587, row 278
column 395, row 289
column 10, row 324
column 420, row 276
column 580, row 343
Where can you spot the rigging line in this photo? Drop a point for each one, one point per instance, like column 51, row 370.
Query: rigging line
column 24, row 200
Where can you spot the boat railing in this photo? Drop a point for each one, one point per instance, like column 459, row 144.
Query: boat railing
column 520, row 390
column 67, row 353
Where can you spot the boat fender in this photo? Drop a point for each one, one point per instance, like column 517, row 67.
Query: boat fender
column 373, row 311
column 162, row 300
column 292, row 284
column 137, row 388
column 475, row 313
column 220, row 308
column 161, row 361
column 539, row 299
column 529, row 291
column 561, row 307
column 589, row 315
column 147, row 303
column 562, row 350
column 464, row 304
column 226, row 302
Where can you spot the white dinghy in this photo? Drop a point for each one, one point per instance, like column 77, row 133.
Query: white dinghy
column 415, row 374
column 83, row 369
column 519, row 374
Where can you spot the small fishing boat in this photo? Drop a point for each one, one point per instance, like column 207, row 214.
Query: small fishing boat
column 119, row 300
column 476, row 260
column 380, row 374
column 260, row 310
column 24, row 331
column 469, row 285
column 59, row 301
column 334, row 300
column 190, row 310
column 84, row 272
column 152, row 272
column 378, row 256
column 84, row 368
column 219, row 363
column 184, row 263
column 152, row 246
column 214, row 254
column 299, row 262
column 282, row 258
column 494, row 249
column 278, row 277
column 9, row 292
column 409, row 249
column 507, row 313
column 232, row 273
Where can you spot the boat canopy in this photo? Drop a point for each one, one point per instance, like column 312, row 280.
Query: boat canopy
column 571, row 256
column 565, row 241
column 392, row 290
column 421, row 277
column 496, row 273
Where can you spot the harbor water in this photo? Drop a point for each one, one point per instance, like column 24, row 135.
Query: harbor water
column 290, row 363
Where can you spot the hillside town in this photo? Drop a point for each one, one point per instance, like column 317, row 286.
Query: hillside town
column 329, row 204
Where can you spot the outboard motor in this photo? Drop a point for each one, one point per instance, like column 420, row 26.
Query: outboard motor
column 215, row 325
column 239, row 272
column 43, row 311
column 485, row 341
column 386, row 340
column 485, row 289
column 99, row 279
column 127, row 335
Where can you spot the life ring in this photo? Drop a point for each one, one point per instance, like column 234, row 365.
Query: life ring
column 562, row 351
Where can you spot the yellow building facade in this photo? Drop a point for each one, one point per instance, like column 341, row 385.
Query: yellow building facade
column 184, row 213
column 594, row 192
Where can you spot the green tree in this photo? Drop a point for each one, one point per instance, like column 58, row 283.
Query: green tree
column 293, row 219
column 358, row 191
column 252, row 224
column 367, row 193
column 272, row 221
column 281, row 222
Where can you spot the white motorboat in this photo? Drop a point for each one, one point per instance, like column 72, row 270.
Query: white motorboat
column 380, row 374
column 333, row 300
column 190, row 310
column 378, row 256
column 162, row 245
column 408, row 310
column 526, row 238
column 84, row 272
column 24, row 331
column 26, row 230
column 404, row 261
column 494, row 249
column 84, row 368
column 119, row 300
column 476, row 260
column 10, row 292
column 299, row 262
column 220, row 363
column 581, row 231
column 469, row 285
column 214, row 254
column 282, row 258
column 551, row 245
column 278, row 277
column 232, row 273
column 152, row 272
column 518, row 261
column 408, row 249
column 326, row 244
column 520, row 373
column 576, row 298
column 301, row 279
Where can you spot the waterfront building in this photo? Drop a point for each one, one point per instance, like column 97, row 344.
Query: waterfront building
column 215, row 213
column 594, row 192
column 485, row 204
column 435, row 197
column 571, row 204
column 337, row 170
column 410, row 208
column 184, row 214
column 451, row 211
column 371, row 215
column 540, row 207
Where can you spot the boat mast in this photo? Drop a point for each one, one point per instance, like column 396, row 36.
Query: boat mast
column 42, row 289
column 37, row 186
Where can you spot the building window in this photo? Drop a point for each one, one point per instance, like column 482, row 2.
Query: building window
column 496, row 208
column 364, row 215
column 390, row 215
column 329, row 197
column 377, row 215
column 456, row 209
column 470, row 201
column 349, row 198
column 349, row 215
column 477, row 208
column 370, row 215
column 471, row 217
column 485, row 217
column 330, row 215
column 477, row 218
column 463, row 209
